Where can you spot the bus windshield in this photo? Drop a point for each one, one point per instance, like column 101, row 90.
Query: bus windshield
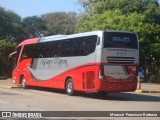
column 120, row 40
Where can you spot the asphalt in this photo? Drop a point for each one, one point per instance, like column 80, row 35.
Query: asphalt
column 143, row 88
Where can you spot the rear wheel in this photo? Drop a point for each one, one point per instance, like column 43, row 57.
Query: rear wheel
column 69, row 87
column 23, row 82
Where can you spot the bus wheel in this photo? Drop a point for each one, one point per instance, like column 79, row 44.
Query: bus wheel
column 69, row 87
column 23, row 82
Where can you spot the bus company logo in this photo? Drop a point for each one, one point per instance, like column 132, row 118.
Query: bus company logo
column 56, row 61
column 6, row 114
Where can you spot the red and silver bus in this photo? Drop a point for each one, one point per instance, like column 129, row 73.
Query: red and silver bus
column 102, row 61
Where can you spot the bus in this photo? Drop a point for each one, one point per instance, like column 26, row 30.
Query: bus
column 97, row 61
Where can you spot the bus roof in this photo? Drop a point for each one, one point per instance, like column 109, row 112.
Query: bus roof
column 59, row 37
column 29, row 41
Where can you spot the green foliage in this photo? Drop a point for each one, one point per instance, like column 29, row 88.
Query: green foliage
column 126, row 6
column 112, row 20
column 10, row 23
column 13, row 28
column 139, row 16
column 60, row 22
column 33, row 26
column 5, row 49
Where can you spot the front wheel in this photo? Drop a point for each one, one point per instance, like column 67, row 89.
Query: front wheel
column 70, row 87
column 23, row 82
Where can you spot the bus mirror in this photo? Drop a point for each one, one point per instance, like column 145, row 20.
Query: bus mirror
column 98, row 41
column 13, row 54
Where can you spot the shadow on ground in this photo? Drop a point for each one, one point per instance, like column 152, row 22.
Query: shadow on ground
column 123, row 96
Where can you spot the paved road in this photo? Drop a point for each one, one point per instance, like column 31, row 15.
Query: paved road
column 40, row 99
column 57, row 100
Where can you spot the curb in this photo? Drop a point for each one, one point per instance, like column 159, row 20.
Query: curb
column 150, row 91
column 146, row 91
column 138, row 91
column 9, row 87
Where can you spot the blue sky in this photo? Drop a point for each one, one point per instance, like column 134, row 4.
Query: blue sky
column 26, row 8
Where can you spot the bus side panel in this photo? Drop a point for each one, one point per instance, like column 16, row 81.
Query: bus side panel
column 20, row 70
column 86, row 78
column 55, row 82
column 16, row 76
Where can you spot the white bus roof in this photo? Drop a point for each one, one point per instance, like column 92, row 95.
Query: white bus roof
column 60, row 37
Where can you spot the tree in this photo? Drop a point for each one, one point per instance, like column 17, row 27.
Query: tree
column 33, row 26
column 10, row 25
column 139, row 16
column 150, row 8
column 60, row 22
column 126, row 6
column 5, row 49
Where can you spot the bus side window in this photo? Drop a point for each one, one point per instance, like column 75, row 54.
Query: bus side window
column 41, row 50
column 25, row 53
column 68, row 48
column 73, row 48
column 15, row 62
column 52, row 49
column 35, row 51
column 86, row 45
column 28, row 52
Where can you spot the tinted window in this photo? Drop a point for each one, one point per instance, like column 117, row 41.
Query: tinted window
column 51, row 49
column 68, row 48
column 118, row 39
column 80, row 46
column 86, row 45
column 30, row 51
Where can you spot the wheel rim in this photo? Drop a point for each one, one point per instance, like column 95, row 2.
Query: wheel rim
column 70, row 87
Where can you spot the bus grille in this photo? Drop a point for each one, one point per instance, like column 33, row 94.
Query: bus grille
column 120, row 60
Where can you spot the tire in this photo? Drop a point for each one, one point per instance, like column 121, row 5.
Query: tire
column 70, row 87
column 23, row 83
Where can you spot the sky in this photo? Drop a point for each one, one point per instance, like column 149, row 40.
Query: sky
column 26, row 8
